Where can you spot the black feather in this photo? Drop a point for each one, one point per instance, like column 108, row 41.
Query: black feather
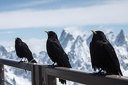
column 23, row 51
column 56, row 52
column 103, row 55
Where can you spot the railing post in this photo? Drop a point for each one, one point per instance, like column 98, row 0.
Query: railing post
column 37, row 75
column 40, row 77
column 50, row 80
column 1, row 74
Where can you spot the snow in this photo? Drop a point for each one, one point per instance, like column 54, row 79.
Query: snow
column 76, row 45
column 120, row 39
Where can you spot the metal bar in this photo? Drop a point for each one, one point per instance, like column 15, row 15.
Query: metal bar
column 9, row 62
column 51, row 80
column 46, row 75
column 47, row 79
column 33, row 75
column 1, row 74
column 37, row 75
column 86, row 78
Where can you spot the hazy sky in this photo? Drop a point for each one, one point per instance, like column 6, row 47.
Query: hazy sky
column 30, row 18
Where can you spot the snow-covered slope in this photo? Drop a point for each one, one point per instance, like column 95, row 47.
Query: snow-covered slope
column 77, row 48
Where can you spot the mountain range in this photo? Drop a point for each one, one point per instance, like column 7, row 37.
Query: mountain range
column 77, row 48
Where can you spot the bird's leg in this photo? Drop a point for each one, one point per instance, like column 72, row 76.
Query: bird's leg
column 101, row 72
column 30, row 61
column 53, row 65
column 25, row 60
column 20, row 60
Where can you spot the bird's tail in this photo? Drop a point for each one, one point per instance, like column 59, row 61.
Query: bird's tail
column 33, row 61
column 62, row 81
column 120, row 73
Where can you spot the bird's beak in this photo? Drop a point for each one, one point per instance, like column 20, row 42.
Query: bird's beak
column 94, row 31
column 46, row 32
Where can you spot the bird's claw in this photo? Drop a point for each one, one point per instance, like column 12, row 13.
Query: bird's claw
column 20, row 61
column 99, row 73
column 52, row 66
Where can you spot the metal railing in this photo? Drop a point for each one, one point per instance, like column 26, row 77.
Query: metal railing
column 46, row 75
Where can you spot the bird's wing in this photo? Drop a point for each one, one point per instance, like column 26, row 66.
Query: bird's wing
column 109, row 48
column 18, row 49
column 92, row 55
column 26, row 49
column 111, row 52
column 94, row 46
column 61, row 55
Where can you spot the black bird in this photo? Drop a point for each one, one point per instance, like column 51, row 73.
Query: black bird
column 23, row 51
column 103, row 55
column 56, row 52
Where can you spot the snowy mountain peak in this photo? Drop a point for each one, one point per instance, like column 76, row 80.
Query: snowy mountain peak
column 79, row 45
column 120, row 39
column 78, row 52
column 110, row 36
column 79, row 39
column 89, row 39
column 64, row 35
column 66, row 38
column 3, row 51
column 121, row 32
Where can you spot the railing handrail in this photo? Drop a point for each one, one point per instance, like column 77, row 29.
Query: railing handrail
column 15, row 63
column 86, row 78
column 44, row 74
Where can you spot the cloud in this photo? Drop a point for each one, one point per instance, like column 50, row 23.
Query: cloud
column 33, row 3
column 7, row 32
column 111, row 13
column 75, row 31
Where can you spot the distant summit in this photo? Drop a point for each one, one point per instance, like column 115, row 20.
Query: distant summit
column 77, row 47
column 120, row 39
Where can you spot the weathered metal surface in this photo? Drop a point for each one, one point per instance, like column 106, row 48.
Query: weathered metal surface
column 1, row 74
column 13, row 63
column 86, row 78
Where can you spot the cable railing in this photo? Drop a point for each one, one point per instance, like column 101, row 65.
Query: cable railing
column 46, row 74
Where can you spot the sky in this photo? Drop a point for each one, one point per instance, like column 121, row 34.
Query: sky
column 30, row 18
